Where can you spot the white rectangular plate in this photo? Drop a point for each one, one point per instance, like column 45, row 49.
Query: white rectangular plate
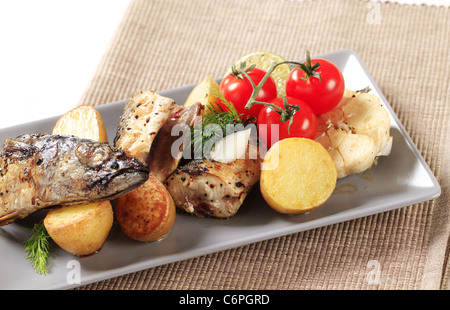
column 399, row 180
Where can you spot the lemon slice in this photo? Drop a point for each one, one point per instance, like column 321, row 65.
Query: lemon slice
column 263, row 60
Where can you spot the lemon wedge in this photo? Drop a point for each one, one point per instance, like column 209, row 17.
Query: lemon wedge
column 263, row 61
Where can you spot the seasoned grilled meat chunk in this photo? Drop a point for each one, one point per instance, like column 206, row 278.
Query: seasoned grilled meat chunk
column 207, row 188
column 38, row 171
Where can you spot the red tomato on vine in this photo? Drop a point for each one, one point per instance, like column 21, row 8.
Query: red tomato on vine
column 318, row 82
column 301, row 122
column 237, row 89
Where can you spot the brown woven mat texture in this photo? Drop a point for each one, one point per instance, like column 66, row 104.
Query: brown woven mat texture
column 163, row 44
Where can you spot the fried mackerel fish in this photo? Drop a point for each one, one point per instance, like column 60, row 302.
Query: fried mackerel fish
column 39, row 170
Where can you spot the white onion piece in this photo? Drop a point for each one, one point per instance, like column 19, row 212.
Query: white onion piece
column 231, row 147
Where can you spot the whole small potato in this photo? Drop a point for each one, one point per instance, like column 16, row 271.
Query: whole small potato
column 147, row 213
column 80, row 229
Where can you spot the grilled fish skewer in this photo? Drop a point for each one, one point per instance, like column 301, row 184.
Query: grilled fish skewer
column 38, row 171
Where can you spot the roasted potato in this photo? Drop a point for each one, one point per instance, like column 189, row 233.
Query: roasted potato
column 203, row 93
column 147, row 213
column 81, row 229
column 84, row 122
column 297, row 176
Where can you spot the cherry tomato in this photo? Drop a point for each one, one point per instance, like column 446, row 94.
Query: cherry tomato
column 238, row 91
column 304, row 122
column 321, row 94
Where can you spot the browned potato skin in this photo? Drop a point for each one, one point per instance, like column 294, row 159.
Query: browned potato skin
column 81, row 231
column 147, row 213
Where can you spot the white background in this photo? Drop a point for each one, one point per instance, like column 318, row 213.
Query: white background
column 49, row 50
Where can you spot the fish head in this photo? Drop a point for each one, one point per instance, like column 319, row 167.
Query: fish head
column 109, row 172
column 71, row 170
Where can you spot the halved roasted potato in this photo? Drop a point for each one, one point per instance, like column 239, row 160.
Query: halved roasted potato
column 84, row 122
column 80, row 230
column 297, row 175
column 203, row 93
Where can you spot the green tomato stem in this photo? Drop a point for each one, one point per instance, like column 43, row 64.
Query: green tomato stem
column 289, row 110
column 310, row 71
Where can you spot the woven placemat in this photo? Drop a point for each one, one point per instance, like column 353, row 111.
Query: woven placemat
column 163, row 44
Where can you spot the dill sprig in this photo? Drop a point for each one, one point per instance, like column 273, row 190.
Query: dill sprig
column 37, row 247
column 215, row 124
column 232, row 112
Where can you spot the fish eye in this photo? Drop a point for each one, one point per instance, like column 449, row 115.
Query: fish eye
column 98, row 156
column 92, row 155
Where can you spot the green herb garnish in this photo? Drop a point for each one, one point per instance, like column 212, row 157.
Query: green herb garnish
column 37, row 247
column 232, row 113
column 215, row 125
